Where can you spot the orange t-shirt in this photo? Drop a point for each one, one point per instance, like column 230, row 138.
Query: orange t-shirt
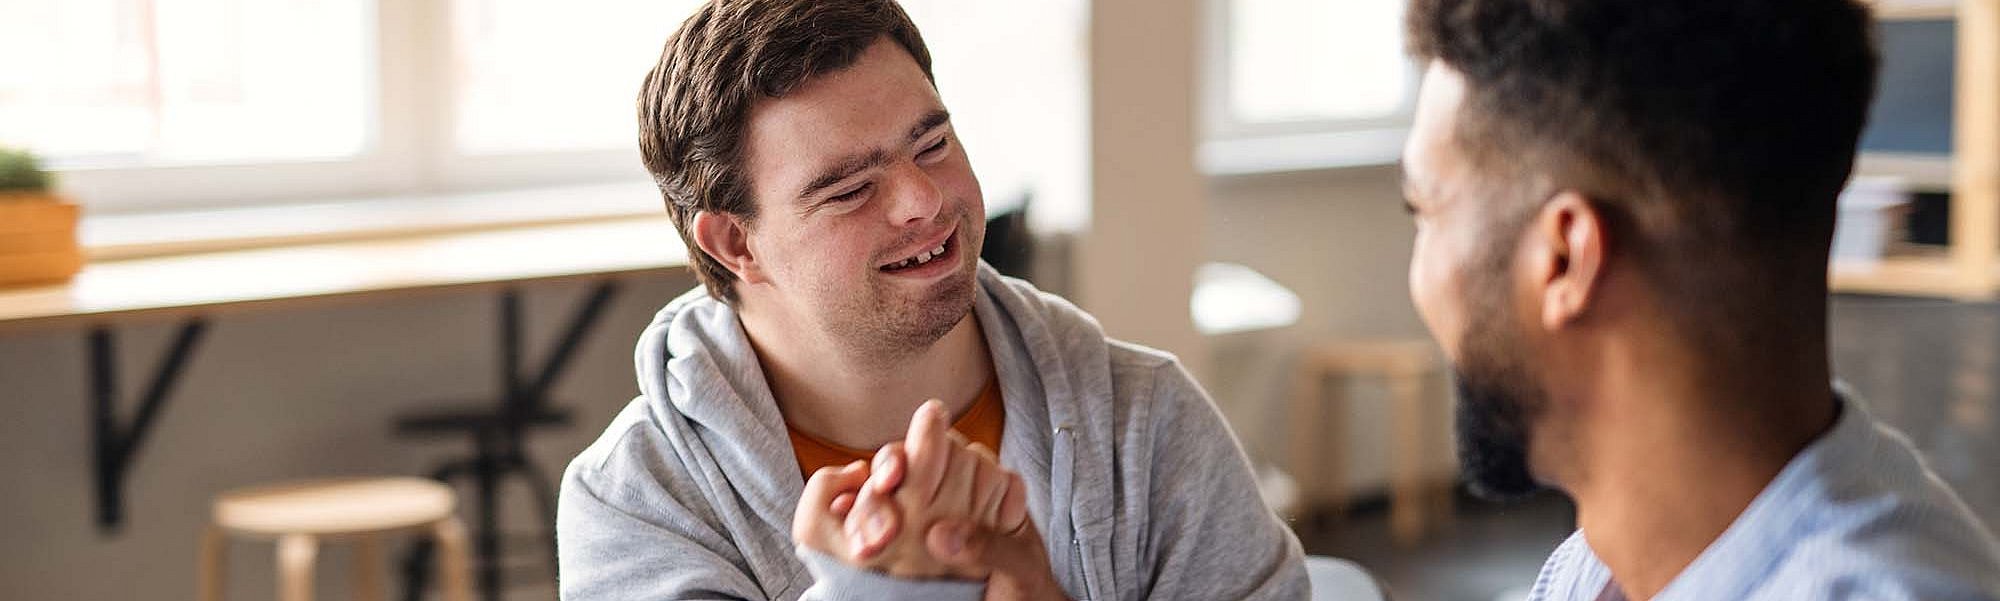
column 982, row 423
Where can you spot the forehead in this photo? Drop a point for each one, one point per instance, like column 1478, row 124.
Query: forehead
column 869, row 105
column 1431, row 154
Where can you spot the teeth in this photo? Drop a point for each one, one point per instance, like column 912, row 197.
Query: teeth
column 921, row 258
column 927, row 256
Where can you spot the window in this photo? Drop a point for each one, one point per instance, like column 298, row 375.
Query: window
column 1295, row 84
column 1014, row 74
column 134, row 82
column 160, row 104
column 538, row 75
column 153, row 104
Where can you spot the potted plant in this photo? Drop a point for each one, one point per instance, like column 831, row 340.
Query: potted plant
column 37, row 227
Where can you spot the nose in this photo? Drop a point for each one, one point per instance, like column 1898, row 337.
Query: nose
column 916, row 197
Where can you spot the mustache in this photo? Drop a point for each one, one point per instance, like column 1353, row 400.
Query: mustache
column 957, row 218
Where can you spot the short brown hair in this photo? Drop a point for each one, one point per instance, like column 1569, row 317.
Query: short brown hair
column 694, row 104
column 1715, row 126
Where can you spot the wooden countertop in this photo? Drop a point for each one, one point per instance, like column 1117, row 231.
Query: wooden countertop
column 212, row 282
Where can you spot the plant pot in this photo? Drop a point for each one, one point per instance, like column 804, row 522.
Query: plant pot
column 37, row 239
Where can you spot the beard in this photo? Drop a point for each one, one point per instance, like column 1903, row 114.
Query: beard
column 1498, row 402
column 889, row 323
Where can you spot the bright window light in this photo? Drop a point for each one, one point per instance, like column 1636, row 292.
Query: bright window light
column 538, row 76
column 1316, row 60
column 151, row 82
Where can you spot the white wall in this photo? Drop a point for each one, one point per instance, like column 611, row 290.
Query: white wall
column 1135, row 264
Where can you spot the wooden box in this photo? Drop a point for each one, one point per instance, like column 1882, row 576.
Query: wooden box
column 37, row 240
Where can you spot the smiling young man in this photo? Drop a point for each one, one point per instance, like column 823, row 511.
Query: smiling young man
column 834, row 220
column 1623, row 215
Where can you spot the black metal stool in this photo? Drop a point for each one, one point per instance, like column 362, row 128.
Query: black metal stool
column 499, row 432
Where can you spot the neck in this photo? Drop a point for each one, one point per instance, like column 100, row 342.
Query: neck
column 1672, row 443
column 855, row 401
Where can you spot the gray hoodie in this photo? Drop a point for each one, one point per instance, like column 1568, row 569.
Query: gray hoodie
column 1135, row 482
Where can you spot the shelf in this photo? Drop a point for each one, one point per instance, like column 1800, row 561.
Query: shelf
column 1914, row 10
column 1925, row 276
column 1921, row 172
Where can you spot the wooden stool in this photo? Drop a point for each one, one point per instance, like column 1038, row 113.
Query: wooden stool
column 1406, row 366
column 301, row 514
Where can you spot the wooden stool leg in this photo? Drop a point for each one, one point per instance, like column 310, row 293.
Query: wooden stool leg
column 296, row 555
column 1437, row 434
column 1306, row 462
column 212, row 575
column 1406, row 507
column 368, row 579
column 454, row 568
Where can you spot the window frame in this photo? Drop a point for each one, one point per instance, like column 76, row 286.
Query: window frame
column 1232, row 146
column 409, row 150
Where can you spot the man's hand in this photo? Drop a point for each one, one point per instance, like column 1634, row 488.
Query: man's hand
column 825, row 507
column 1016, row 561
column 933, row 475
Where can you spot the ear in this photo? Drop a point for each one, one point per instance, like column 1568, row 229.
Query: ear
column 725, row 238
column 1570, row 256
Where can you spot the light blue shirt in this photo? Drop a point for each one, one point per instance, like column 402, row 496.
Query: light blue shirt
column 1856, row 515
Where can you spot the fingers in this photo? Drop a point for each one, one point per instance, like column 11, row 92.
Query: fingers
column 842, row 504
column 1013, row 506
column 989, row 488
column 813, row 522
column 827, row 483
column 927, row 451
column 955, row 494
column 871, row 531
column 886, row 472
column 873, row 523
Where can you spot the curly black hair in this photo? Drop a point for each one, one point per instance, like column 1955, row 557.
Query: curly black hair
column 1730, row 123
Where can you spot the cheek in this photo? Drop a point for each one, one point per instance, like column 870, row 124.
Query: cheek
column 1435, row 289
column 958, row 182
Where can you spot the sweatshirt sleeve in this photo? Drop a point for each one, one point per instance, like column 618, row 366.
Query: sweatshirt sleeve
column 609, row 546
column 623, row 534
column 1211, row 536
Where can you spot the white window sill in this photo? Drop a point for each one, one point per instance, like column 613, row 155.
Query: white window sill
column 1302, row 152
column 129, row 236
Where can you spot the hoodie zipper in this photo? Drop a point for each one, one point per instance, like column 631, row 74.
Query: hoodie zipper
column 1063, row 463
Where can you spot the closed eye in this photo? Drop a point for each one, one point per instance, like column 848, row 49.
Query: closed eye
column 854, row 194
column 935, row 151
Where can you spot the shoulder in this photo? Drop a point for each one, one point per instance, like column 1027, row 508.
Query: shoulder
column 1152, row 379
column 1890, row 547
column 632, row 457
column 1571, row 572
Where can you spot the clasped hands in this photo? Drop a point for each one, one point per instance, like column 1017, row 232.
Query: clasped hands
column 933, row 506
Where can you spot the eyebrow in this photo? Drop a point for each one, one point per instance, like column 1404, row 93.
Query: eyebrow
column 853, row 164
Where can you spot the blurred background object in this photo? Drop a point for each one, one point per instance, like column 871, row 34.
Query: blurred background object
column 37, row 227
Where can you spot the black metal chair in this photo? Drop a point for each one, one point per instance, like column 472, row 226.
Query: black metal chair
column 499, row 435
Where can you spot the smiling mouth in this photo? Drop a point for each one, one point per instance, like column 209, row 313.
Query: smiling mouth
column 922, row 258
